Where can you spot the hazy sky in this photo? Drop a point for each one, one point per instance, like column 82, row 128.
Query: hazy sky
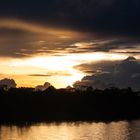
column 61, row 41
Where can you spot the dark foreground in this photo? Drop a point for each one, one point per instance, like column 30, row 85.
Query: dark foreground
column 25, row 105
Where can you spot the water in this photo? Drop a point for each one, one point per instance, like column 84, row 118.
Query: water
column 122, row 130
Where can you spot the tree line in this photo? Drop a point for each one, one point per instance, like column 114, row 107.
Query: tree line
column 29, row 105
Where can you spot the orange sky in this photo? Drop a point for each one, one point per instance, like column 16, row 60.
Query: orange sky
column 33, row 54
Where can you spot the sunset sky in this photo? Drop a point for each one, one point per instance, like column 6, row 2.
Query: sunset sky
column 62, row 41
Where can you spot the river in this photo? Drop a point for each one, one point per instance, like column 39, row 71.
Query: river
column 122, row 130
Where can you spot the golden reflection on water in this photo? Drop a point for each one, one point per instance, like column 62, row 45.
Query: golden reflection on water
column 122, row 130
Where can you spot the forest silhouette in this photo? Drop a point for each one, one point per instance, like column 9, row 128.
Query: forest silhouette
column 27, row 105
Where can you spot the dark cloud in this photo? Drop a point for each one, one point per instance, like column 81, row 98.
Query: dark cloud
column 10, row 83
column 110, row 45
column 103, row 20
column 24, row 42
column 57, row 73
column 125, row 74
column 129, row 52
column 23, row 39
column 43, row 87
column 104, row 16
column 97, row 67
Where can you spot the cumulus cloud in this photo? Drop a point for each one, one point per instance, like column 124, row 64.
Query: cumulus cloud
column 43, row 87
column 97, row 67
column 10, row 83
column 125, row 74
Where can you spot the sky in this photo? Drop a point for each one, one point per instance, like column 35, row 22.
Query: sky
column 64, row 41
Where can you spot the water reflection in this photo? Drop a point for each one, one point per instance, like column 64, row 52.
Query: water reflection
column 122, row 130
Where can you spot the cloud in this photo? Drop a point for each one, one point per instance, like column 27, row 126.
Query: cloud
column 57, row 73
column 43, row 87
column 25, row 39
column 97, row 67
column 52, row 27
column 19, row 38
column 102, row 16
column 22, row 25
column 10, row 83
column 127, row 45
column 125, row 74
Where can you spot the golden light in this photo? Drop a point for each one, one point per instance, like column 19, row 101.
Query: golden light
column 56, row 67
column 61, row 70
column 95, row 56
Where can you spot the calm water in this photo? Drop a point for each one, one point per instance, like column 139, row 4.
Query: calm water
column 122, row 130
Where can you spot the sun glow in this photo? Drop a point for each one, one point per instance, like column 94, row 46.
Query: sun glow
column 60, row 71
column 43, row 53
